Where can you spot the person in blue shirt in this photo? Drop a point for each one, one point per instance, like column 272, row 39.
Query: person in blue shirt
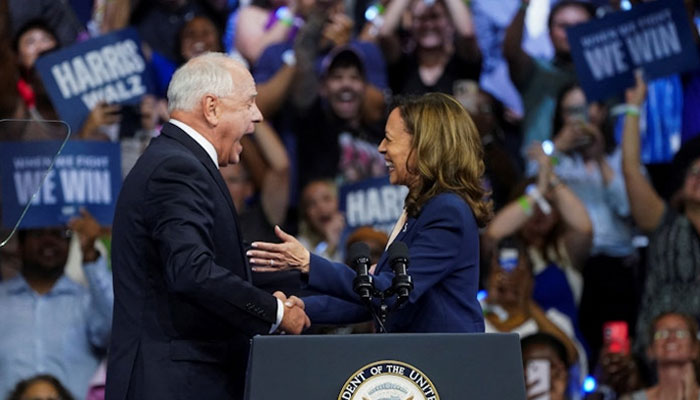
column 52, row 324
column 431, row 146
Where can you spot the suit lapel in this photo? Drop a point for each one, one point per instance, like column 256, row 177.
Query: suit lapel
column 405, row 229
column 183, row 138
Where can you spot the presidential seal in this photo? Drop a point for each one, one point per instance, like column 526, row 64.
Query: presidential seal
column 388, row 380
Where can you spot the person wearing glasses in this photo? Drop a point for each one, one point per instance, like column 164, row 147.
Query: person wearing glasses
column 674, row 350
column 50, row 323
column 673, row 228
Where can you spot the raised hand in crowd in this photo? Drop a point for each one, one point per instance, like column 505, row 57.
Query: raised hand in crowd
column 578, row 227
column 619, row 371
column 577, row 136
column 520, row 64
column 545, row 172
column 568, row 212
column 338, row 29
column 540, row 81
column 459, row 21
column 152, row 111
column 88, row 230
column 295, row 319
column 370, row 29
column 585, row 138
column 102, row 114
column 646, row 206
column 443, row 47
column 115, row 15
column 253, row 35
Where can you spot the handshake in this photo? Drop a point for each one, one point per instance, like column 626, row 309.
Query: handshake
column 294, row 320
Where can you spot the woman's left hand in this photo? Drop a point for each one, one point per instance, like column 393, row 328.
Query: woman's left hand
column 290, row 254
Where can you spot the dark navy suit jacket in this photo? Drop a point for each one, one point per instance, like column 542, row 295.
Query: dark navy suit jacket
column 443, row 243
column 184, row 307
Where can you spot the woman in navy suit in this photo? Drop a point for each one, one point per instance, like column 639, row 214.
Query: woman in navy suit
column 431, row 146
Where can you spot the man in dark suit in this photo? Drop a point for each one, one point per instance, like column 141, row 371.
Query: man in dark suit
column 185, row 309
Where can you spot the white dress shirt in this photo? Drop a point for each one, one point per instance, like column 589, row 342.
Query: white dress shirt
column 197, row 137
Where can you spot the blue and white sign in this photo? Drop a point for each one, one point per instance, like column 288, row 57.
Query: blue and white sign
column 109, row 68
column 653, row 36
column 373, row 202
column 86, row 174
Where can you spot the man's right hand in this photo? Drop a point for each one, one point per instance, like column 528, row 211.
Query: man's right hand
column 294, row 320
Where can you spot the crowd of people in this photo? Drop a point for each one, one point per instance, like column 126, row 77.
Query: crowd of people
column 570, row 217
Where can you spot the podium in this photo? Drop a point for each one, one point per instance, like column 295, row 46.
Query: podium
column 386, row 367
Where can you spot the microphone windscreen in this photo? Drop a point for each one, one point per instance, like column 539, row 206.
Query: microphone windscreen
column 357, row 250
column 398, row 250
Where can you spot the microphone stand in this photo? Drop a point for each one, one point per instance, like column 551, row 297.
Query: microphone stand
column 381, row 316
column 363, row 284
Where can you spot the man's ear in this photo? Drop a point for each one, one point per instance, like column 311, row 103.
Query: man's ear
column 210, row 109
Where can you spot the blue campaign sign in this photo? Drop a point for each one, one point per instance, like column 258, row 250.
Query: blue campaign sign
column 86, row 174
column 373, row 202
column 109, row 68
column 653, row 36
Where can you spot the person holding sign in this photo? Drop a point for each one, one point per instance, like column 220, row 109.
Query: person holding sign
column 185, row 309
column 431, row 146
column 539, row 80
column 673, row 263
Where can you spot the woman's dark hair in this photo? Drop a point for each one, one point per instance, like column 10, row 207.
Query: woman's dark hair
column 181, row 32
column 29, row 25
column 545, row 339
column 552, row 238
column 23, row 385
column 588, row 7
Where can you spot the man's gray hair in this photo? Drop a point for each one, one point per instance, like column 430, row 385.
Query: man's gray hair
column 205, row 74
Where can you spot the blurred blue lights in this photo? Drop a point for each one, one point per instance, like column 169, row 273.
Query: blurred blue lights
column 589, row 384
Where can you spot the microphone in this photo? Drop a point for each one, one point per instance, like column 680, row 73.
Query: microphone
column 359, row 258
column 398, row 259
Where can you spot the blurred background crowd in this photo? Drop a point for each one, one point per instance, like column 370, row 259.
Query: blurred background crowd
column 593, row 255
